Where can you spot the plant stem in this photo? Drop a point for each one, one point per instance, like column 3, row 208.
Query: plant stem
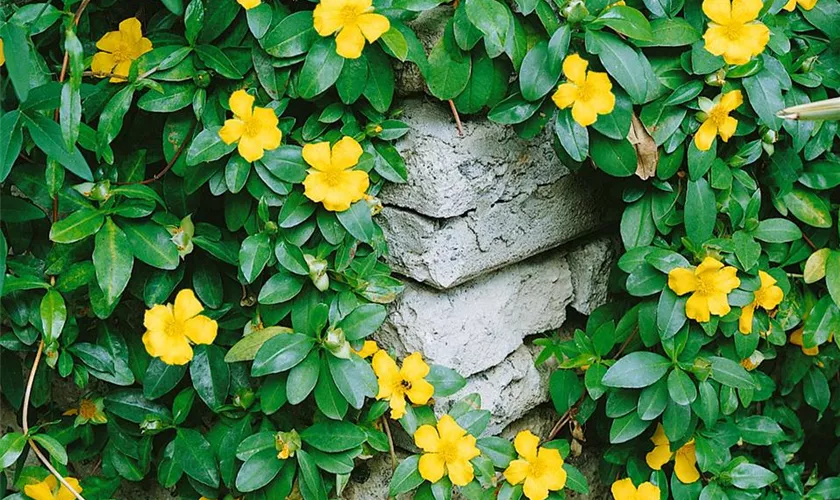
column 390, row 442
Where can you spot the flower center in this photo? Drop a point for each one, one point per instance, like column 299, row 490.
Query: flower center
column 87, row 409
column 123, row 53
column 174, row 328
column 332, row 179
column 586, row 92
column 252, row 127
column 536, row 468
column 733, row 31
column 718, row 115
column 348, row 15
column 448, row 451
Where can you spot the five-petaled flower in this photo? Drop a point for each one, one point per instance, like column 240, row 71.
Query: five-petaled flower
column 49, row 489
column 447, row 450
column 768, row 296
column 354, row 21
column 119, row 50
column 805, row 4
column 716, row 119
column 541, row 469
column 254, row 127
column 330, row 180
column 171, row 329
column 711, row 283
column 89, row 410
column 589, row 93
column 685, row 458
column 624, row 489
column 249, row 4
column 734, row 32
column 397, row 383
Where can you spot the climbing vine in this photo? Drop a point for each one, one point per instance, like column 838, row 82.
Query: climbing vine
column 190, row 186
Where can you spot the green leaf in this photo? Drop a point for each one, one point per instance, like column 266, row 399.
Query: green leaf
column 53, row 315
column 208, row 146
column 815, row 389
column 832, row 275
column 700, row 211
column 196, row 457
column 362, row 321
column 681, row 388
column 217, row 60
column 320, row 70
column 539, row 72
column 11, row 446
column 132, row 406
column 823, row 319
column 112, row 260
column 18, row 48
column 11, row 136
column 575, row 480
column 777, row 231
column 16, row 210
column 354, row 378
column 151, row 244
column 760, row 430
column 637, row 227
column 327, row 396
column 751, row 476
column 573, row 137
column 286, row 163
column 210, row 375
column 333, row 437
column 303, row 377
column 292, row 36
column 627, row 21
column 358, row 221
column 48, row 137
column 77, row 226
column 446, row 381
column 615, row 157
column 406, row 477
column 280, row 353
column 565, row 390
column 389, row 163
column 491, row 18
column 53, row 447
column 111, row 119
column 174, row 96
column 379, row 91
column 652, row 400
column 254, row 255
column 396, row 43
column 765, row 97
column 622, row 63
column 247, row 347
column 675, row 32
column 449, row 70
column 808, row 207
column 258, row 470
column 730, row 373
column 636, row 370
column 160, row 378
column 311, row 482
column 625, row 428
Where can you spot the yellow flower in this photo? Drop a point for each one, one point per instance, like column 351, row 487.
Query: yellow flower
column 368, row 349
column 397, row 383
column 2, row 54
column 734, row 33
column 753, row 361
column 330, row 180
column 624, row 489
column 447, row 450
column 588, row 93
column 718, row 121
column 49, row 489
column 796, row 339
column 711, row 282
column 685, row 460
column 254, row 127
column 805, row 4
column 540, row 468
column 170, row 330
column 249, row 4
column 354, row 21
column 768, row 296
column 119, row 49
column 89, row 410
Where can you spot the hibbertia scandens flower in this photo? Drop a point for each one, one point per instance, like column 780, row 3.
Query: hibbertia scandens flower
column 768, row 296
column 734, row 32
column 254, row 128
column 50, row 489
column 170, row 330
column 331, row 180
column 354, row 21
column 711, row 282
column 539, row 469
column 589, row 93
column 447, row 450
column 685, row 458
column 395, row 384
column 624, row 489
column 716, row 120
column 119, row 49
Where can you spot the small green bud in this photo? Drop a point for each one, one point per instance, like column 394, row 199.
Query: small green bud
column 716, row 79
column 575, row 11
column 286, row 444
column 244, row 398
column 373, row 129
column 202, row 79
column 317, row 272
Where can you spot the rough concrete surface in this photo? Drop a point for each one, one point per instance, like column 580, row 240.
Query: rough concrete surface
column 477, row 325
column 451, row 175
column 590, row 264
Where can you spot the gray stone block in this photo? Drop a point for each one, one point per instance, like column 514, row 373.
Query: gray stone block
column 477, row 325
column 445, row 253
column 590, row 264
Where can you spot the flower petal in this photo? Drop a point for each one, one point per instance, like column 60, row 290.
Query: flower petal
column 249, row 4
column 140, row 48
column 158, row 318
column 648, row 491
column 386, row 372
column 697, row 308
column 315, row 186
column 623, row 489
column 373, row 26
column 554, row 475
column 732, row 100
column 155, row 342
column 682, row 280
column 431, row 467
column 250, row 148
column 727, row 128
column 421, row 392
column 177, row 352
column 534, row 489
column 466, row 449
column 426, row 438
column 746, row 319
column 327, row 18
column 369, row 348
column 460, row 472
column 705, row 135
column 574, row 67
column 102, row 63
column 584, row 113
column 414, row 368
column 242, row 104
column 121, row 71
column 66, row 494
column 131, row 30
column 201, row 330
column 448, row 429
column 186, row 305
column 110, row 42
column 317, row 155
column 685, row 464
column 771, row 298
column 345, row 153
column 708, row 264
column 717, row 10
column 517, row 471
column 349, row 42
column 526, row 444
column 744, row 11
column 39, row 491
column 565, row 95
column 397, row 404
column 232, row 130
column 791, row 5
column 718, row 304
column 727, row 280
column 659, row 456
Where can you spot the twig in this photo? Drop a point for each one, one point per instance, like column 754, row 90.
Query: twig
column 169, row 165
column 457, row 118
column 390, row 442
column 809, row 242
column 66, row 61
column 627, row 341
column 32, row 444
column 570, row 413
